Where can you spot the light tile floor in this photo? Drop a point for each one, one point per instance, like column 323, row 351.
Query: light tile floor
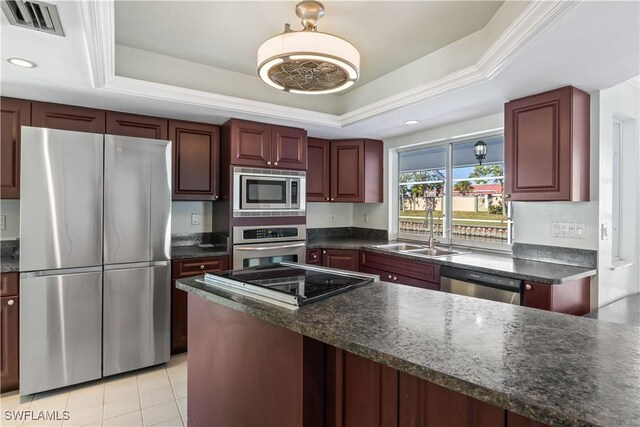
column 154, row 396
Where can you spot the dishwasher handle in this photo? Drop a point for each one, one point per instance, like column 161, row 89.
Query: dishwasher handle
column 483, row 279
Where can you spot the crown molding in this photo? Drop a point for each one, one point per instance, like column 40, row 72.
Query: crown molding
column 164, row 92
column 537, row 16
column 99, row 30
column 98, row 16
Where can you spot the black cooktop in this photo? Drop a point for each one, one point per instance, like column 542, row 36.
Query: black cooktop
column 305, row 283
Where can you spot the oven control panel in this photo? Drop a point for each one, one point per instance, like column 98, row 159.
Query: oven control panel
column 250, row 234
column 269, row 233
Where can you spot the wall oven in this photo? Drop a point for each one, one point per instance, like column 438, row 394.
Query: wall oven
column 268, row 192
column 253, row 245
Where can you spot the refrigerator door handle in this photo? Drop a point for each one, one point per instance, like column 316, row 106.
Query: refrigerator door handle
column 59, row 272
column 111, row 267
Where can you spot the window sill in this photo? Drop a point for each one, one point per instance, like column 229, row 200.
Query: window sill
column 619, row 264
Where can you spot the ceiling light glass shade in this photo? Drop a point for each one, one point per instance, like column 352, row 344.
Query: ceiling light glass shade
column 25, row 63
column 308, row 62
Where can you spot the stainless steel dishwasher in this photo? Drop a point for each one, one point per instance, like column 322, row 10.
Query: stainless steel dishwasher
column 480, row 285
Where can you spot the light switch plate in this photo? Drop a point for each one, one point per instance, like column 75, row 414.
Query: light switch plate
column 3, row 222
column 195, row 219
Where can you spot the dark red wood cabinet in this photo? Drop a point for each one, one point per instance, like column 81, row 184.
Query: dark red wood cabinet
column 547, row 146
column 266, row 146
column 9, row 332
column 179, row 270
column 125, row 124
column 67, row 117
column 344, row 259
column 345, row 171
column 356, row 171
column 571, row 297
column 15, row 114
column 319, row 170
column 196, row 160
column 401, row 270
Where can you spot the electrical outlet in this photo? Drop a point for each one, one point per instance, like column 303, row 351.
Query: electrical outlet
column 555, row 229
column 195, row 219
column 3, row 222
column 580, row 231
column 333, row 218
column 366, row 218
column 604, row 231
column 564, row 229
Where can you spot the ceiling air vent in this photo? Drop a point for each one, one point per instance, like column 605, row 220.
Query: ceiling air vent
column 33, row 14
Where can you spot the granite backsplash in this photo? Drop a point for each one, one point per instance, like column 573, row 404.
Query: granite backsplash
column 556, row 255
column 346, row 233
column 195, row 239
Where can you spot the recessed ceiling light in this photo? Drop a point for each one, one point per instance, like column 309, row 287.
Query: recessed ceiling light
column 22, row 62
column 412, row 122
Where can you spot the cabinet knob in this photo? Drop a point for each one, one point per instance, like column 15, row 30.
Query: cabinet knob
column 527, row 287
column 10, row 302
column 324, row 252
column 395, row 278
column 202, row 267
column 389, row 277
column 314, row 256
column 215, row 197
column 333, row 198
column 275, row 163
column 507, row 196
column 326, row 198
column 269, row 163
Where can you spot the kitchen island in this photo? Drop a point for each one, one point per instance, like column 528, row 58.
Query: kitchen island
column 387, row 354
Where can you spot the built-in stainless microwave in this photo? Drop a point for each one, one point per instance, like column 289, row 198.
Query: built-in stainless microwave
column 268, row 192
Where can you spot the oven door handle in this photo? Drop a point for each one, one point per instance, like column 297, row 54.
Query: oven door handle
column 268, row 248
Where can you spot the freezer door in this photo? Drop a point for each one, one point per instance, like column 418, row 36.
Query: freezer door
column 137, row 192
column 60, row 200
column 136, row 318
column 60, row 330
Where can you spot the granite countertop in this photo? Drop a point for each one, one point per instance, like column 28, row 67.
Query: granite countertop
column 9, row 264
column 625, row 311
column 554, row 368
column 483, row 261
column 196, row 251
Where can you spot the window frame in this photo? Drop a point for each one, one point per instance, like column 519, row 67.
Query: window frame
column 448, row 143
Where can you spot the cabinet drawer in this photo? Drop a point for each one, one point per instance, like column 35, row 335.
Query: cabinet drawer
column 195, row 267
column 314, row 256
column 415, row 269
column 8, row 284
column 400, row 279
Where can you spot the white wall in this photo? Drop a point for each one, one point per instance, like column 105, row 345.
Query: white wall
column 181, row 217
column 622, row 278
column 326, row 215
column 11, row 210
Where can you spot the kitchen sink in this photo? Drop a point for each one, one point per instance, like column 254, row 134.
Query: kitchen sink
column 437, row 252
column 399, row 247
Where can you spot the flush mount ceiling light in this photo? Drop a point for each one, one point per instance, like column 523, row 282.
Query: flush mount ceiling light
column 480, row 150
column 22, row 62
column 411, row 122
column 308, row 61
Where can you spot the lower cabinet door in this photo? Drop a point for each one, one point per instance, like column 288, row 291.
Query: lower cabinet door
column 344, row 259
column 179, row 324
column 60, row 330
column 136, row 318
column 9, row 317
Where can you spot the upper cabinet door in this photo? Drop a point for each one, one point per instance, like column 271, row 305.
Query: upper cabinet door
column 15, row 113
column 250, row 144
column 318, row 171
column 547, row 146
column 347, row 171
column 196, row 160
column 288, row 148
column 124, row 124
column 67, row 117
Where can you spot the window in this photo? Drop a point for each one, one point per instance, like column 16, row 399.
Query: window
column 467, row 197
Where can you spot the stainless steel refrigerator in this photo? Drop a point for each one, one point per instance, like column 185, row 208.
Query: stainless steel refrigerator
column 95, row 218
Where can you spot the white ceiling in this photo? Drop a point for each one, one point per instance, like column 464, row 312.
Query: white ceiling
column 226, row 34
column 525, row 48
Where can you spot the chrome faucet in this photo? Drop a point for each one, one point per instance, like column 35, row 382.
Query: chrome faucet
column 429, row 207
